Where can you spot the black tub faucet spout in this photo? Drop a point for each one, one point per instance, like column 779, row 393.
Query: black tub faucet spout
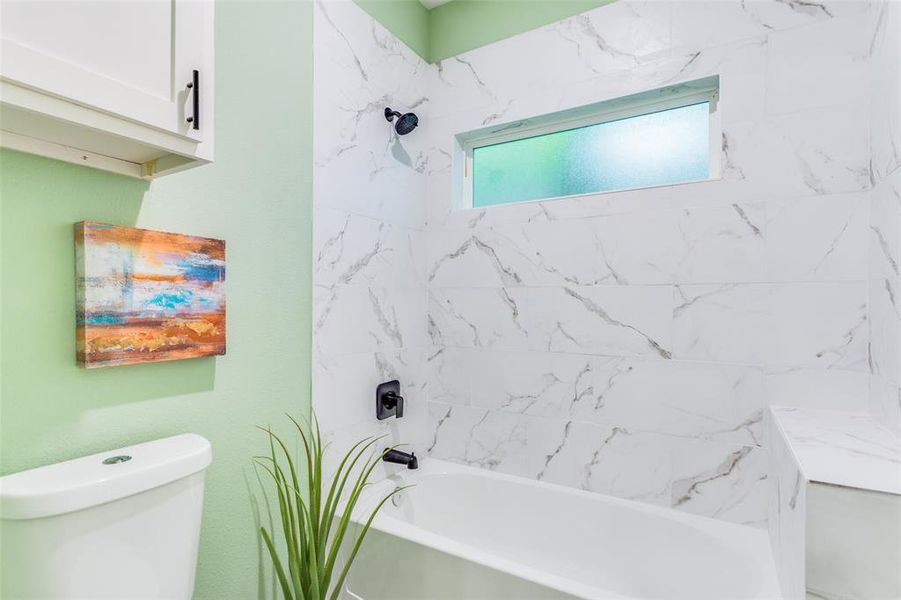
column 401, row 458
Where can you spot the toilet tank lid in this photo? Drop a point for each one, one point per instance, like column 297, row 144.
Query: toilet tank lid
column 91, row 480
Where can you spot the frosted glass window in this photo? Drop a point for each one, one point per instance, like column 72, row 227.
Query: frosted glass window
column 670, row 146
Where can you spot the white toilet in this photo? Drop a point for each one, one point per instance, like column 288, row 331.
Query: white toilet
column 116, row 525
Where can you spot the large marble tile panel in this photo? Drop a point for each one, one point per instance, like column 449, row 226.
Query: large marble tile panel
column 690, row 400
column 821, row 238
column 460, row 82
column 354, row 51
column 356, row 318
column 478, row 317
column 556, row 252
column 611, row 460
column 679, row 399
column 351, row 249
column 615, row 37
column 481, row 257
column 819, row 65
column 739, row 20
column 603, row 320
column 500, row 441
column 796, row 324
column 386, row 182
column 542, row 384
column 814, row 152
column 582, row 455
column 720, row 480
column 449, row 376
column 704, row 244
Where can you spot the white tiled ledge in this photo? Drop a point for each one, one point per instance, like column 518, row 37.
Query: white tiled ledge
column 840, row 448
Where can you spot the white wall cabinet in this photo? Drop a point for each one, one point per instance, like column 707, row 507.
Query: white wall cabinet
column 125, row 86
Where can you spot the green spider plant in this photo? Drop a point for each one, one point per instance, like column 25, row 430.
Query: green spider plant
column 312, row 529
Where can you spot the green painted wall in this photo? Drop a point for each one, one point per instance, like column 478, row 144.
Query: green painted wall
column 463, row 25
column 257, row 196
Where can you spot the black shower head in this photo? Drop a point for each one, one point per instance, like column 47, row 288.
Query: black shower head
column 405, row 123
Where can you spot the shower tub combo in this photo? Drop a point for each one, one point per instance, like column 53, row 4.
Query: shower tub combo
column 462, row 532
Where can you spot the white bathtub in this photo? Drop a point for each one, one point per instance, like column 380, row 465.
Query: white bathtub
column 469, row 533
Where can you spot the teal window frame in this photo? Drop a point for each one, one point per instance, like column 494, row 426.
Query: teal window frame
column 677, row 96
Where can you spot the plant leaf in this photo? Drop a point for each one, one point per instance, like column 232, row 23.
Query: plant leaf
column 277, row 563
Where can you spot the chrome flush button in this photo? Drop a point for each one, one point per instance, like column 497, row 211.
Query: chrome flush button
column 114, row 460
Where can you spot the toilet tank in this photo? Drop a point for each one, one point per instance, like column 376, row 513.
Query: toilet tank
column 115, row 525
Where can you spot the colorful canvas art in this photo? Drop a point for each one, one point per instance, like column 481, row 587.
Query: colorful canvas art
column 145, row 296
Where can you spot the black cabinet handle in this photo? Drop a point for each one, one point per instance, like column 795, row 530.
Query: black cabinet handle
column 194, row 84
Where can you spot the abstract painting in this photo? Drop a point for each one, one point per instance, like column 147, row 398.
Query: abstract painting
column 146, row 296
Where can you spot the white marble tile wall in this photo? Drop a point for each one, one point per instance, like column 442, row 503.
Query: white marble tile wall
column 885, row 218
column 628, row 343
column 369, row 244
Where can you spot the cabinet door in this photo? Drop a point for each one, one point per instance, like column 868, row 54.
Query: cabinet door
column 132, row 59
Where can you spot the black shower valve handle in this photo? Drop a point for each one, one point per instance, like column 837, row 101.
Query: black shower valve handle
column 392, row 400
